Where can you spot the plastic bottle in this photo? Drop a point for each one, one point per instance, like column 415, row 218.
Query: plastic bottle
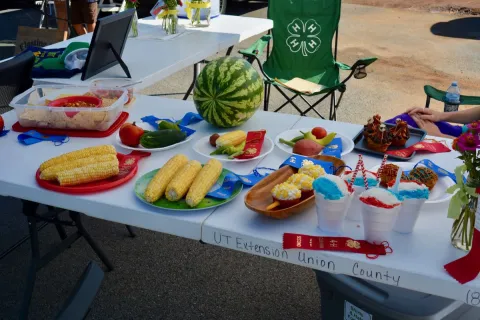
column 452, row 98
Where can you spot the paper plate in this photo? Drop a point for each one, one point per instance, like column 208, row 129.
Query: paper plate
column 204, row 148
column 347, row 143
column 146, row 126
column 438, row 193
column 163, row 203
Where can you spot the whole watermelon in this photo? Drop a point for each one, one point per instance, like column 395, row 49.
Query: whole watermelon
column 228, row 91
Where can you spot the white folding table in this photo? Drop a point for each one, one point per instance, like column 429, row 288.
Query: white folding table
column 150, row 61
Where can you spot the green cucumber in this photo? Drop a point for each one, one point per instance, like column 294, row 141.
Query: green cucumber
column 162, row 138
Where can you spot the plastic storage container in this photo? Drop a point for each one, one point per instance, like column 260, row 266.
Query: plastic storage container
column 345, row 297
column 97, row 85
column 32, row 108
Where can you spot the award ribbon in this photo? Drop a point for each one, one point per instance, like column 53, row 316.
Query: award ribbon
column 153, row 121
column 433, row 147
column 32, row 137
column 296, row 160
column 301, row 241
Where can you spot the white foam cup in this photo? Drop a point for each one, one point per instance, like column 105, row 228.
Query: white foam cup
column 331, row 213
column 408, row 215
column 378, row 222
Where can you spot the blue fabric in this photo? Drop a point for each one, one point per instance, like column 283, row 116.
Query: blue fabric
column 295, row 161
column 152, row 120
column 32, row 137
column 444, row 127
column 438, row 170
column 41, row 54
column 334, row 148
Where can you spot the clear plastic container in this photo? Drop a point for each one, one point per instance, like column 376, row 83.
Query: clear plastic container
column 128, row 84
column 33, row 111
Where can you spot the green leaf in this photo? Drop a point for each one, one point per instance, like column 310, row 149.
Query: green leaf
column 453, row 188
column 455, row 207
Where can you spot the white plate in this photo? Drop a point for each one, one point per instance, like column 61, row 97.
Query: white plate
column 204, row 148
column 439, row 192
column 347, row 143
column 146, row 126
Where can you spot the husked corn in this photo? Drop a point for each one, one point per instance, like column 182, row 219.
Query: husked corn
column 157, row 186
column 88, row 173
column 78, row 154
column 50, row 173
column 203, row 182
column 182, row 181
column 231, row 139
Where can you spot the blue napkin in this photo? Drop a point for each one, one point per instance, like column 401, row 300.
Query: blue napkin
column 153, row 121
column 295, row 161
column 439, row 171
column 4, row 132
column 32, row 137
column 334, row 148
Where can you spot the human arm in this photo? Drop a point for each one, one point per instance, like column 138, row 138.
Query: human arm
column 429, row 127
column 463, row 117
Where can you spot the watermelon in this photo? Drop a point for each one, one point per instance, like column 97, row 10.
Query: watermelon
column 227, row 92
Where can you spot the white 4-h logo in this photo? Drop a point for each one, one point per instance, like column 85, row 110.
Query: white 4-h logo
column 304, row 36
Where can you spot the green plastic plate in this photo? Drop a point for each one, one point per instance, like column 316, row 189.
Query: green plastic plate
column 163, row 203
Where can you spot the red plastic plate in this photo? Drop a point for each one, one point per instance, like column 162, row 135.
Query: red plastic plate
column 128, row 169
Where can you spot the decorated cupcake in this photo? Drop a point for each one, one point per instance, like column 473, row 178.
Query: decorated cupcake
column 380, row 139
column 400, row 133
column 310, row 169
column 302, row 182
column 372, row 125
column 389, row 173
column 424, row 175
column 285, row 195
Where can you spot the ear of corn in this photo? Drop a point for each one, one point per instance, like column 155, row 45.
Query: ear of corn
column 88, row 173
column 203, row 182
column 51, row 172
column 231, row 139
column 178, row 187
column 157, row 186
column 74, row 155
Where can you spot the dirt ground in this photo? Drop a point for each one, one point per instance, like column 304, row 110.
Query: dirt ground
column 457, row 6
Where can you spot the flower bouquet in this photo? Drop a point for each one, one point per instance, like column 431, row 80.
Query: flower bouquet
column 167, row 10
column 133, row 4
column 201, row 12
column 463, row 205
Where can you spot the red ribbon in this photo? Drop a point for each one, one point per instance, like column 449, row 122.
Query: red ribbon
column 253, row 144
column 301, row 241
column 433, row 147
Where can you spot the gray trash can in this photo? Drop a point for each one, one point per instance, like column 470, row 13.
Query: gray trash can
column 348, row 298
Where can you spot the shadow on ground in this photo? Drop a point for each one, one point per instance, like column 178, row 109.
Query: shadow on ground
column 464, row 28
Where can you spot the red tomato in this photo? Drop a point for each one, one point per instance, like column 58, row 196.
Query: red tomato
column 319, row 132
column 130, row 134
column 2, row 124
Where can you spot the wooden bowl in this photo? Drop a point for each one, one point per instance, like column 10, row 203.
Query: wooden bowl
column 259, row 197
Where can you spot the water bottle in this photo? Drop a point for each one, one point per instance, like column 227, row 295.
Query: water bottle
column 452, row 98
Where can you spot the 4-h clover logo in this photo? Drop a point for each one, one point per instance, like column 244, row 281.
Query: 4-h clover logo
column 304, row 36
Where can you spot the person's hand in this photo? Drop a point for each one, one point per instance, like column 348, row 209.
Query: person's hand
column 426, row 114
column 428, row 126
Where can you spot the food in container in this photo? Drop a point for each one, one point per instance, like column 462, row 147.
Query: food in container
column 310, row 169
column 62, row 107
column 98, row 86
column 380, row 208
column 389, row 173
column 355, row 211
column 285, row 195
column 333, row 197
column 424, row 175
column 414, row 195
column 302, row 182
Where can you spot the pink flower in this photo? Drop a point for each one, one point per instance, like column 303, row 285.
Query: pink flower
column 474, row 127
column 468, row 142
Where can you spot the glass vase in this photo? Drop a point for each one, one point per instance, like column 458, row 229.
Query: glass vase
column 170, row 22
column 134, row 28
column 461, row 235
column 200, row 13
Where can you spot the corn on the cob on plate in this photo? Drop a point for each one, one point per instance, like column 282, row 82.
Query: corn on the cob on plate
column 203, row 182
column 157, row 186
column 231, row 139
column 78, row 154
column 88, row 173
column 50, row 173
column 178, row 187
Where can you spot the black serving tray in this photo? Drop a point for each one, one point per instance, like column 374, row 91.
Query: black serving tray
column 416, row 135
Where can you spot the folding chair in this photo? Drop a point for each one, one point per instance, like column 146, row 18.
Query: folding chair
column 302, row 48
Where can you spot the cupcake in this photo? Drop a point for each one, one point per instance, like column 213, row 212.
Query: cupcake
column 302, row 182
column 310, row 169
column 285, row 195
column 389, row 173
column 372, row 125
column 380, row 139
column 424, row 175
column 400, row 133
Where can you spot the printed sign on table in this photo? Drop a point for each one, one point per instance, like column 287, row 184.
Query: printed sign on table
column 354, row 313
